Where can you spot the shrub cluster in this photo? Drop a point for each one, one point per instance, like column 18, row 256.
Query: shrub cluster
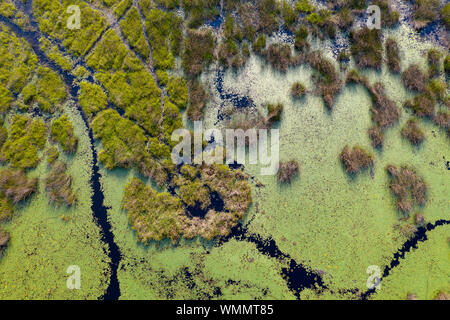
column 407, row 187
column 62, row 132
column 287, row 171
column 26, row 137
column 58, row 185
column 412, row 132
column 356, row 159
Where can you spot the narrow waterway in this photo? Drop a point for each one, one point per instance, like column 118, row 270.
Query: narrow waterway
column 99, row 210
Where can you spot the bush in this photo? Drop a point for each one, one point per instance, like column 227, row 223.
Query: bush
column 414, row 78
column 6, row 208
column 58, row 185
column 16, row 186
column 407, row 187
column 197, row 100
column 434, row 62
column 298, row 90
column 326, row 78
column 356, row 159
column 178, row 91
column 199, row 51
column 377, row 137
column 412, row 132
column 4, row 239
column 92, row 98
column 287, row 171
column 274, row 112
column 279, row 56
column 259, row 44
column 25, row 138
column 425, row 11
column 392, row 53
column 52, row 155
column 366, row 47
column 304, row 6
column 62, row 132
column 445, row 13
column 422, row 105
column 132, row 29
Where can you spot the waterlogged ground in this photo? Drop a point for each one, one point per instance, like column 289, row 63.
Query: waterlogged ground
column 43, row 245
column 325, row 220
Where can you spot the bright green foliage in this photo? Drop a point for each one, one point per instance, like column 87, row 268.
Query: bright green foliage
column 50, row 90
column 154, row 216
column 7, row 9
column 122, row 7
column 178, row 91
column 171, row 120
column 62, row 132
column 58, row 185
column 54, row 54
column 29, row 92
column 163, row 77
column 52, row 18
column 17, row 61
column 168, row 4
column 130, row 86
column 92, row 99
column 125, row 145
column 165, row 36
column 25, row 138
column 132, row 29
column 304, row 6
column 6, row 98
column 122, row 140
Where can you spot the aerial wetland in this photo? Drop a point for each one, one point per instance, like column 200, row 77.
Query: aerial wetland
column 342, row 188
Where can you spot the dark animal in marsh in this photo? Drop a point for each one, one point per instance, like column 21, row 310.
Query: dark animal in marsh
column 287, row 171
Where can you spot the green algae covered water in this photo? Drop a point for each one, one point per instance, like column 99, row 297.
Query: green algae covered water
column 44, row 244
column 330, row 223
